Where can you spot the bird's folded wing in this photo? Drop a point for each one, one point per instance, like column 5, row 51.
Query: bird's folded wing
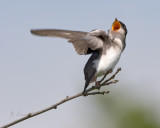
column 81, row 41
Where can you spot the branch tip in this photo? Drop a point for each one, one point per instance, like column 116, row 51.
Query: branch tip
column 119, row 69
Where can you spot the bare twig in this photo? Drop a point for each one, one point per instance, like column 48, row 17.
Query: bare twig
column 95, row 93
column 88, row 92
column 112, row 77
column 110, row 71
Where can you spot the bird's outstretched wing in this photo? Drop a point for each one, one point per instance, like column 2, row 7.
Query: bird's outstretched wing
column 67, row 34
column 82, row 41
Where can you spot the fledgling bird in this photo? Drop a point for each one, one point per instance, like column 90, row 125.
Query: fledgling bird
column 106, row 48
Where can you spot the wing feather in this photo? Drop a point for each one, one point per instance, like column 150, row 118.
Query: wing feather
column 82, row 41
column 67, row 34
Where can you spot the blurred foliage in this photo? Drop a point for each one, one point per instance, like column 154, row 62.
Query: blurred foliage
column 120, row 113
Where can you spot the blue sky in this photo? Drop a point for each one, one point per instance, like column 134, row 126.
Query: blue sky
column 36, row 71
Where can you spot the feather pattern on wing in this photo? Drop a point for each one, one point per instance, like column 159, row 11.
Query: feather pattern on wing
column 67, row 34
column 82, row 41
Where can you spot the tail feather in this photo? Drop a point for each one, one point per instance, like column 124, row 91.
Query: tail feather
column 86, row 85
column 90, row 69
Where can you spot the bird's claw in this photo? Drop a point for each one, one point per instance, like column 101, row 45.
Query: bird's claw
column 97, row 83
column 84, row 93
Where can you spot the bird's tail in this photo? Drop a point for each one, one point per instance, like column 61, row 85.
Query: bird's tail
column 86, row 85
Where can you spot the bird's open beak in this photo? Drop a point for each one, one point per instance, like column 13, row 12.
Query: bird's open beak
column 116, row 25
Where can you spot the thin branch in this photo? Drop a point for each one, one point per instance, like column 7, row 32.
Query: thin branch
column 112, row 77
column 105, row 76
column 87, row 93
column 95, row 93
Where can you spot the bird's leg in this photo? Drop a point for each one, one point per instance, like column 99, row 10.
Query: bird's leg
column 97, row 83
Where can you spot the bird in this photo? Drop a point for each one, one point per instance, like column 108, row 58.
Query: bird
column 105, row 47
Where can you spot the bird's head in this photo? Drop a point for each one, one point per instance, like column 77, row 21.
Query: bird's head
column 118, row 29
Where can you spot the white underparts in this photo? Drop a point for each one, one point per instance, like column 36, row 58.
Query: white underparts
column 109, row 60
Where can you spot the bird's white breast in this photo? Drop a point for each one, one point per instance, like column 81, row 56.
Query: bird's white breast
column 109, row 60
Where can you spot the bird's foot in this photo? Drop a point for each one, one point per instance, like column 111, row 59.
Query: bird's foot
column 111, row 71
column 97, row 83
column 84, row 93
